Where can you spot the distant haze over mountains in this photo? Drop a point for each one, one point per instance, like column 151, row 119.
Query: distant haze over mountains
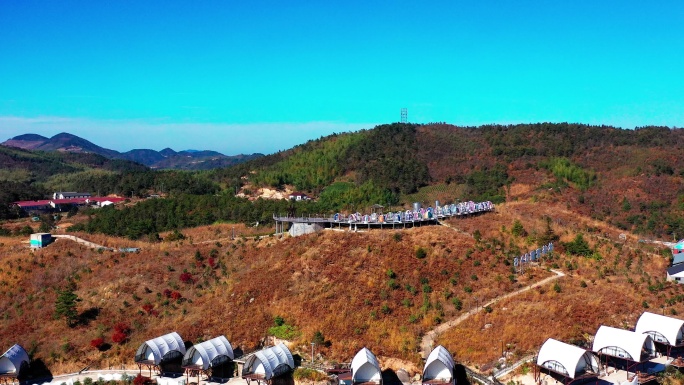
column 164, row 159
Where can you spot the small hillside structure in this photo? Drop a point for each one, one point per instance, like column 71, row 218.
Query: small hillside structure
column 569, row 361
column 213, row 358
column 662, row 329
column 264, row 365
column 164, row 354
column 40, row 240
column 299, row 196
column 70, row 195
column 623, row 344
column 678, row 253
column 439, row 367
column 676, row 273
column 365, row 368
column 14, row 362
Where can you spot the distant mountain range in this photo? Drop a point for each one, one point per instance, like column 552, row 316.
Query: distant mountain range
column 164, row 159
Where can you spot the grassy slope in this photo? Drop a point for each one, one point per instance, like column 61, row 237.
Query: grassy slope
column 333, row 282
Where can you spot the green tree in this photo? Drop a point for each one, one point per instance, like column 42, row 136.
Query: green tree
column 578, row 246
column 518, row 230
column 65, row 305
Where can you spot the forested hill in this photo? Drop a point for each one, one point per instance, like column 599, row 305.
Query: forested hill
column 630, row 177
column 32, row 175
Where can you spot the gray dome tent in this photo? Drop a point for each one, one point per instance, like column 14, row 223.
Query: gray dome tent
column 268, row 363
column 439, row 367
column 13, row 362
column 208, row 356
column 163, row 353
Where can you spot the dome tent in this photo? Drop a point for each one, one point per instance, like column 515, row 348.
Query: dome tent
column 14, row 362
column 439, row 367
column 164, row 353
column 208, row 353
column 268, row 363
column 565, row 359
column 365, row 368
column 662, row 329
column 623, row 344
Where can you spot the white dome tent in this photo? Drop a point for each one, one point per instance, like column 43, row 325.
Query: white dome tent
column 365, row 368
column 163, row 354
column 266, row 364
column 209, row 357
column 14, row 362
column 567, row 360
column 439, row 367
column 662, row 329
column 623, row 345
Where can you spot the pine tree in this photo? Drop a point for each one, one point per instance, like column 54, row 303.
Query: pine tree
column 65, row 305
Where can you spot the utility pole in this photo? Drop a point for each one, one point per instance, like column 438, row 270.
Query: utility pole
column 312, row 352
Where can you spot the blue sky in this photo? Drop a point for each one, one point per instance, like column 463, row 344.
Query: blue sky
column 260, row 76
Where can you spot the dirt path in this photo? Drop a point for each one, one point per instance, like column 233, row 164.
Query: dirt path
column 82, row 241
column 428, row 340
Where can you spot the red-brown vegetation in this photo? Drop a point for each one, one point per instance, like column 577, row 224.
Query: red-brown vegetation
column 333, row 282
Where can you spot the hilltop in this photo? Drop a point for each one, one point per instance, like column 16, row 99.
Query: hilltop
column 629, row 178
column 165, row 159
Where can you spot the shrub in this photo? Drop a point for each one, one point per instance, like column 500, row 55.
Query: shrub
column 421, row 253
column 122, row 327
column 97, row 343
column 119, row 337
column 175, row 236
column 557, row 287
column 305, row 374
column 578, row 246
column 186, row 278
column 518, row 230
column 318, row 338
column 167, row 293
column 176, row 296
column 458, row 304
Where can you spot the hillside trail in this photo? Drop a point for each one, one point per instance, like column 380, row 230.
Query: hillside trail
column 82, row 241
column 454, row 228
column 428, row 340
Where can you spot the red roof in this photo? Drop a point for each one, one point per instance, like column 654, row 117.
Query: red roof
column 43, row 202
column 69, row 201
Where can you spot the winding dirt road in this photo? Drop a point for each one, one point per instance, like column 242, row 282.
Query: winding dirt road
column 428, row 340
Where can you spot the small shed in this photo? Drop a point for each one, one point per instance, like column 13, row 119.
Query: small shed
column 266, row 364
column 164, row 354
column 40, row 240
column 662, row 329
column 439, row 367
column 14, row 362
column 567, row 360
column 623, row 345
column 213, row 358
column 365, row 368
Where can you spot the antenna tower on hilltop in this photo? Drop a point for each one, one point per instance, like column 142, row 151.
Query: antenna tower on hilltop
column 404, row 115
